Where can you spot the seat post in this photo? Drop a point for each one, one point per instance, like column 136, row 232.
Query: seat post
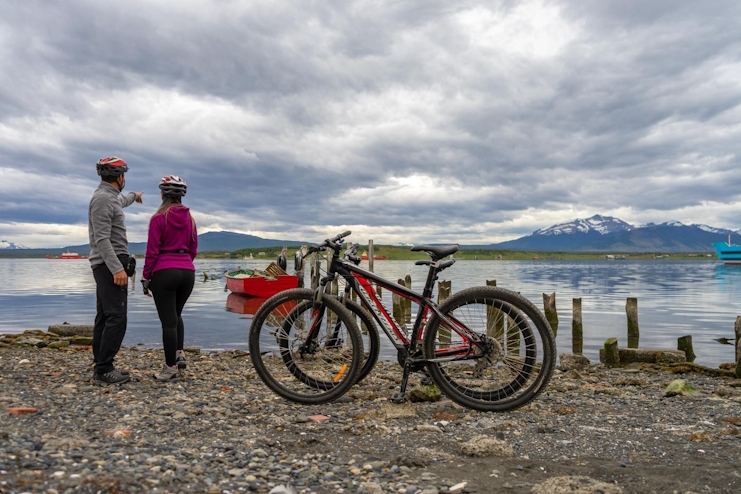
column 430, row 283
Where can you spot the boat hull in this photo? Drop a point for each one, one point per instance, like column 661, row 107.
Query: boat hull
column 259, row 286
column 728, row 253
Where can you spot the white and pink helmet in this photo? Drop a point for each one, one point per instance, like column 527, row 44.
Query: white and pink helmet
column 173, row 185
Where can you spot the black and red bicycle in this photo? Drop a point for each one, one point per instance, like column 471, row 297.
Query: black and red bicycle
column 487, row 348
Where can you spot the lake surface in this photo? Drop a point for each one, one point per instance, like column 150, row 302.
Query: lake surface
column 675, row 298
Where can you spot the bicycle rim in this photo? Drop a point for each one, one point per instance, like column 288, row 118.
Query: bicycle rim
column 318, row 372
column 514, row 357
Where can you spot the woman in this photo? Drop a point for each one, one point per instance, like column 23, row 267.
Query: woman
column 168, row 270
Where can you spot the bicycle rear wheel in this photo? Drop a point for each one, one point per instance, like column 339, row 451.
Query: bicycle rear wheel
column 507, row 362
column 300, row 369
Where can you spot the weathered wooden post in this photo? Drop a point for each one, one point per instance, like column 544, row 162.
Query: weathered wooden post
column 407, row 303
column 631, row 310
column 315, row 271
column 684, row 344
column 549, row 304
column 300, row 265
column 444, row 290
column 611, row 352
column 396, row 306
column 494, row 318
column 371, row 254
column 738, row 347
column 577, row 331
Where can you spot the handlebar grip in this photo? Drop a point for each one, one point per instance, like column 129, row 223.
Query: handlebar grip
column 340, row 236
column 423, row 263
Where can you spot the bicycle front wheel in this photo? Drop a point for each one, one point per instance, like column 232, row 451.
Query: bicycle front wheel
column 496, row 354
column 304, row 352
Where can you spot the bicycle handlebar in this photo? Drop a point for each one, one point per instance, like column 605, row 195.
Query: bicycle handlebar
column 330, row 242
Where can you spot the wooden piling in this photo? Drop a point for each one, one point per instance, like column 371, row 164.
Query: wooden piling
column 738, row 347
column 684, row 344
column 577, row 331
column 444, row 290
column 611, row 352
column 316, row 274
column 371, row 254
column 302, row 269
column 549, row 305
column 494, row 318
column 631, row 310
column 396, row 305
column 406, row 303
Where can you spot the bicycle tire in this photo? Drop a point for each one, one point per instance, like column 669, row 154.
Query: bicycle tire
column 511, row 369
column 368, row 333
column 322, row 373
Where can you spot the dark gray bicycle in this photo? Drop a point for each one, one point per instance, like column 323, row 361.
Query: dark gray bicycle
column 487, row 348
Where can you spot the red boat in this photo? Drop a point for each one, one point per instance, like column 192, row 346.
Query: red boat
column 68, row 255
column 243, row 304
column 252, row 283
column 364, row 257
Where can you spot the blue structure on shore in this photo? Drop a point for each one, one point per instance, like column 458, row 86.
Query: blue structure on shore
column 727, row 252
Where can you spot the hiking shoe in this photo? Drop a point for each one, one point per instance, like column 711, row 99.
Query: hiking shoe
column 124, row 372
column 113, row 377
column 180, row 361
column 167, row 374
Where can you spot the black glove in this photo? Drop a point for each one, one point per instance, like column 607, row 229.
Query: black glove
column 145, row 286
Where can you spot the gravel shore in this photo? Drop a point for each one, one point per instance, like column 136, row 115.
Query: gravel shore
column 219, row 430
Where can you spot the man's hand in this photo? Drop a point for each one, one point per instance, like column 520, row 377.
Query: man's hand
column 139, row 197
column 120, row 278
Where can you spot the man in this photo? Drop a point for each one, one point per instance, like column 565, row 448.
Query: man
column 108, row 247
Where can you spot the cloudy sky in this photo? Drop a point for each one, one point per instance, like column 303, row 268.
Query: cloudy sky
column 470, row 122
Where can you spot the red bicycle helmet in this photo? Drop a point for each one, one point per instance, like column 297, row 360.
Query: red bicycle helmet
column 111, row 167
column 173, row 185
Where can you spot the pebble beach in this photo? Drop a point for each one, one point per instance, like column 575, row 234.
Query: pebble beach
column 220, row 430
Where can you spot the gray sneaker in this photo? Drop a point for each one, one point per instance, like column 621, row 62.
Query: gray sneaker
column 180, row 361
column 167, row 374
column 113, row 377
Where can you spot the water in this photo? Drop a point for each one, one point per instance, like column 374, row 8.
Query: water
column 675, row 298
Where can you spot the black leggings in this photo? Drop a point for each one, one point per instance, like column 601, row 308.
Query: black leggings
column 171, row 289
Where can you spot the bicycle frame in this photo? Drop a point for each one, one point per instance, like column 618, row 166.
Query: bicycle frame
column 360, row 281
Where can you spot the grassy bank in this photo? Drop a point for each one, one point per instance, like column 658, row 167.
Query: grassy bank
column 402, row 253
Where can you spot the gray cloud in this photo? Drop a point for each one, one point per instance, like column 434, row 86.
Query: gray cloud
column 471, row 122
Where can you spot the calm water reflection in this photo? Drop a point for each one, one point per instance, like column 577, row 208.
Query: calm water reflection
column 700, row 298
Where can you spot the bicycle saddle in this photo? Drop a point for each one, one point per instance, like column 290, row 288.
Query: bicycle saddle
column 437, row 252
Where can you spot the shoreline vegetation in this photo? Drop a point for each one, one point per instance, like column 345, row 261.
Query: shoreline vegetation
column 403, row 253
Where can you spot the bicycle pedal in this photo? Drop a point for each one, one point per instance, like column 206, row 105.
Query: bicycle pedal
column 399, row 398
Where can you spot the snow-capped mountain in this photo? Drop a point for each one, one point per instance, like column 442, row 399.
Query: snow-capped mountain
column 597, row 223
column 608, row 234
column 4, row 244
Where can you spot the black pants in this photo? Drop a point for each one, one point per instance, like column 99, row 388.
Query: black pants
column 110, row 318
column 171, row 289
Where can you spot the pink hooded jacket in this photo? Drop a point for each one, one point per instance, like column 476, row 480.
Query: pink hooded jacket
column 172, row 242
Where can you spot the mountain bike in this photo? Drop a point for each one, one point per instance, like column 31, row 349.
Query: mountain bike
column 486, row 348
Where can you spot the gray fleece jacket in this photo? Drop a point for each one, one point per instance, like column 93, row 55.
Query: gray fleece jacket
column 106, row 227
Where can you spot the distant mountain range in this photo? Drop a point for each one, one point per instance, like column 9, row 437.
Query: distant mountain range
column 4, row 244
column 207, row 242
column 595, row 234
column 608, row 234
